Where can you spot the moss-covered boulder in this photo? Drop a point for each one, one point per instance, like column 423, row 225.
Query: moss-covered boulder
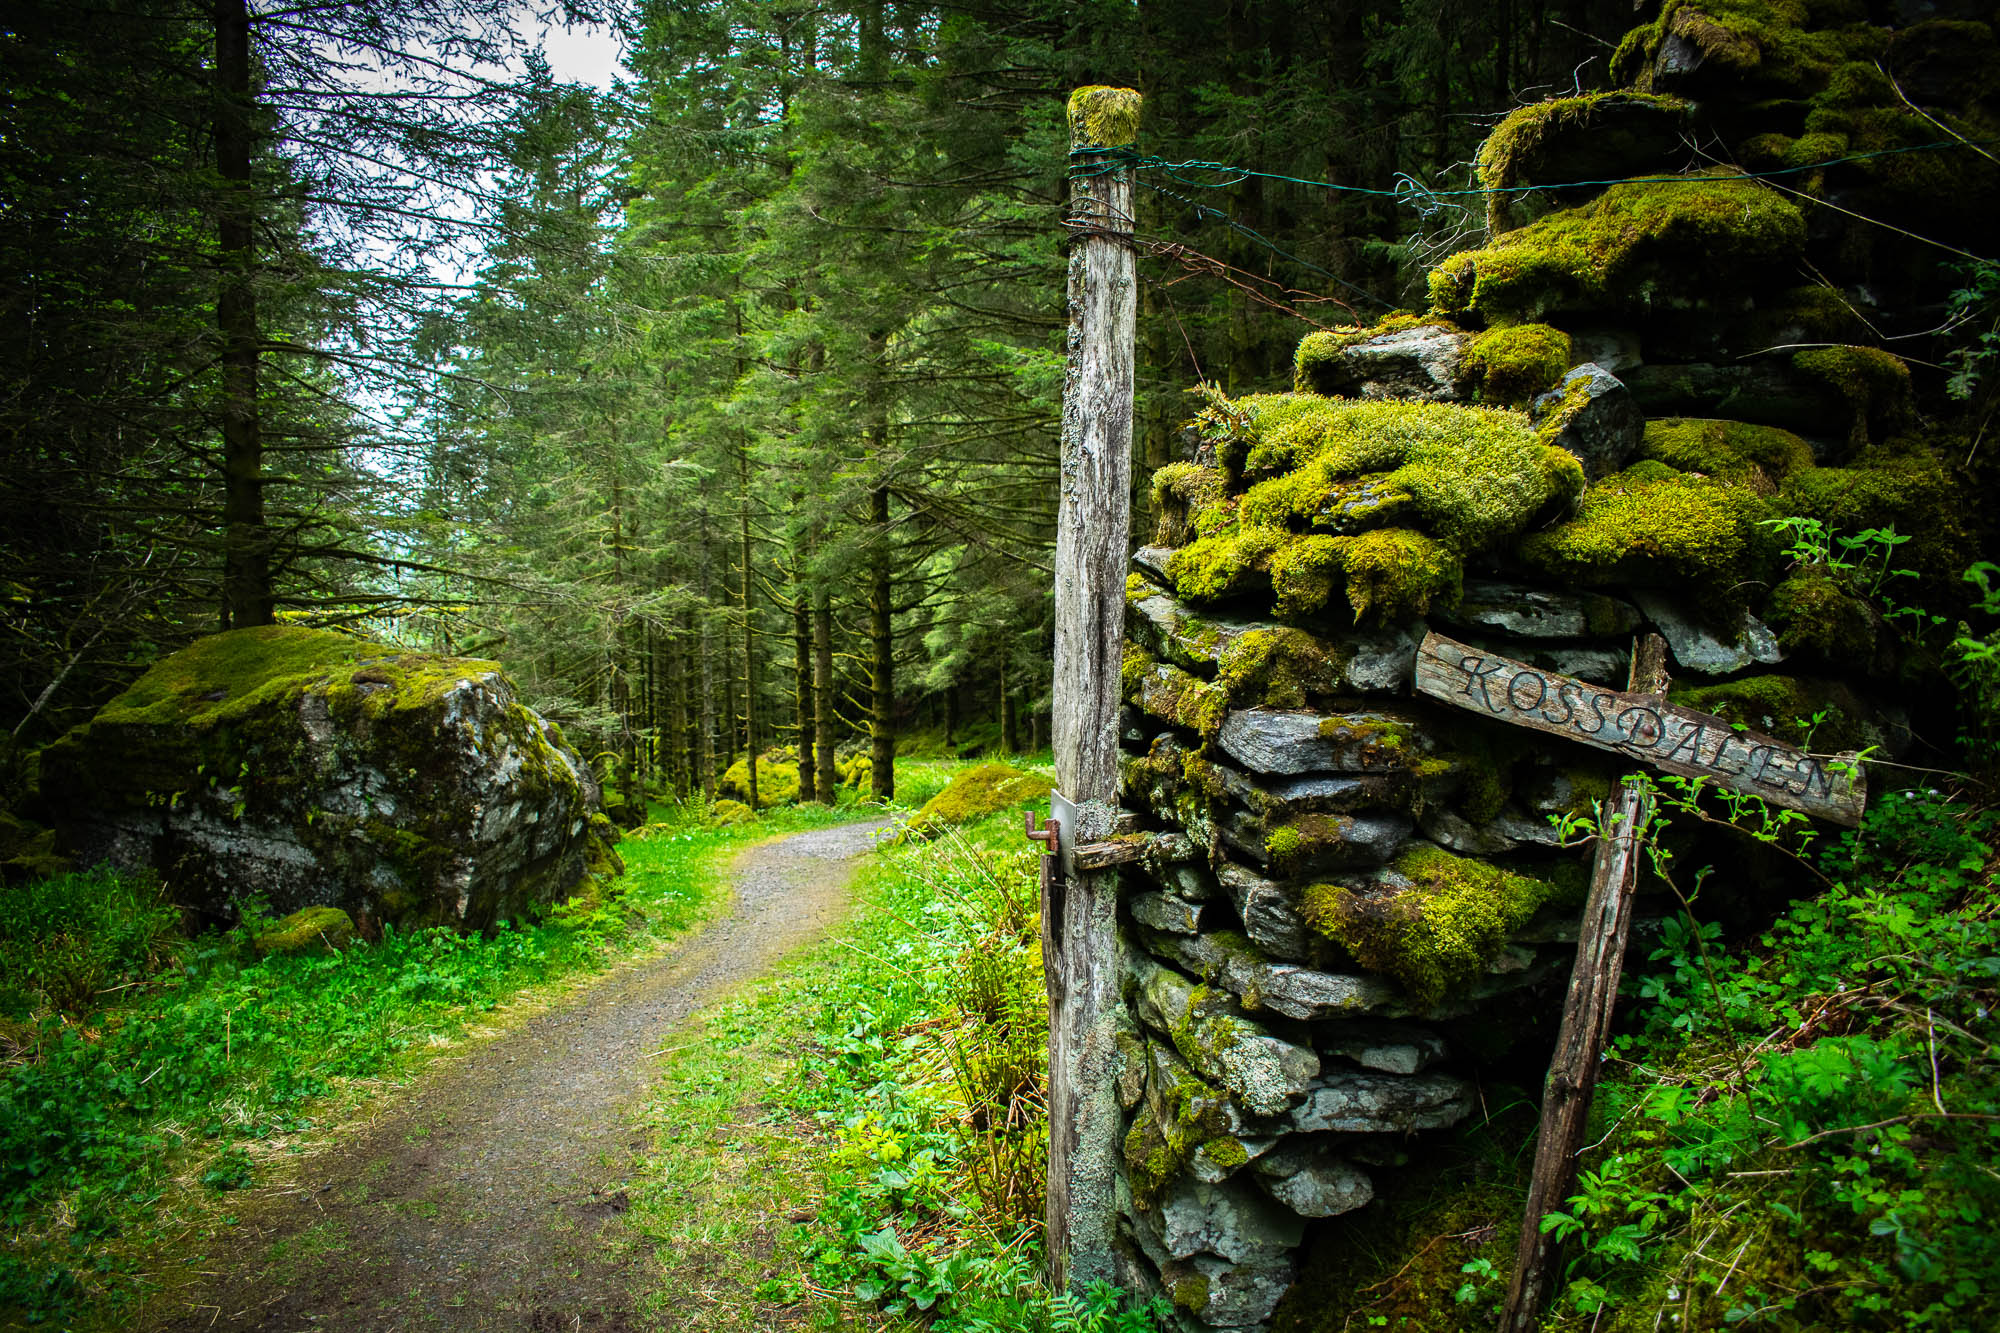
column 974, row 793
column 777, row 779
column 305, row 768
column 309, row 927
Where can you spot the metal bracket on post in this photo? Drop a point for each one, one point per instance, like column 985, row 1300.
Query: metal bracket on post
column 1064, row 819
column 1050, row 836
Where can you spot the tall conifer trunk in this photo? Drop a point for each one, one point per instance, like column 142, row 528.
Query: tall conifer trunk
column 749, row 633
column 824, row 751
column 246, row 561
column 802, row 690
column 881, row 653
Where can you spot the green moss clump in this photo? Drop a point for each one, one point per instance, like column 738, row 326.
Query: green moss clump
column 1651, row 524
column 1634, row 244
column 1104, row 117
column 1816, row 614
column 975, row 793
column 1821, row 715
column 1182, row 494
column 1874, row 384
column 1759, row 457
column 777, row 779
column 224, row 678
column 305, row 928
column 1902, row 484
column 1472, row 474
column 1277, row 667
column 726, row 812
column 1511, row 365
column 1440, row 932
column 1396, row 574
column 1224, row 563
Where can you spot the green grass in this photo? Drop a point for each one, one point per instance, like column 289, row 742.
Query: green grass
column 146, row 1076
column 858, row 1143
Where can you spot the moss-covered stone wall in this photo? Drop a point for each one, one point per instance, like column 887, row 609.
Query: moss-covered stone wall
column 1653, row 402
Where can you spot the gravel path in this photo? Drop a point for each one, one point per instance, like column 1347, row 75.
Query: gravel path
column 487, row 1196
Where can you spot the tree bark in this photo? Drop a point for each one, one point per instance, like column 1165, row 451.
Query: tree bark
column 881, row 653
column 246, row 561
column 802, row 690
column 825, row 749
column 1093, row 529
column 749, row 646
column 1586, row 1021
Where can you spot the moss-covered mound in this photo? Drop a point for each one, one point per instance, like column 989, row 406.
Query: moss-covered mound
column 1376, row 504
column 1640, row 243
column 307, row 928
column 1433, row 923
column 309, row 768
column 777, row 779
column 975, row 793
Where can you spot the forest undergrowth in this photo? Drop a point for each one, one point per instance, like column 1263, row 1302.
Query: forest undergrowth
column 880, row 1107
column 145, row 1075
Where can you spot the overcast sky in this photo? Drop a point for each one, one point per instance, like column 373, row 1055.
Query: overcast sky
column 582, row 54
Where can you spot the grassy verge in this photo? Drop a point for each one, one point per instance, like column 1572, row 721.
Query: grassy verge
column 859, row 1142
column 145, row 1077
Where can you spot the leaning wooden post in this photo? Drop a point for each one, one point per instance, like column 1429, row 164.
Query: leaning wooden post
column 1093, row 528
column 1586, row 1021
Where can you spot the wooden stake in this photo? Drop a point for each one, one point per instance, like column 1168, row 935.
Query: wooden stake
column 1586, row 1021
column 1093, row 532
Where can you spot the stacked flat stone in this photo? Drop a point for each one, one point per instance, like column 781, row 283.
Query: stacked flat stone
column 1269, row 1076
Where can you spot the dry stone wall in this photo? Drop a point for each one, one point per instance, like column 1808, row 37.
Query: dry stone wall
column 1637, row 407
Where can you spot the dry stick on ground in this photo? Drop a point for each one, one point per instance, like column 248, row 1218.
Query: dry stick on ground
column 1593, row 987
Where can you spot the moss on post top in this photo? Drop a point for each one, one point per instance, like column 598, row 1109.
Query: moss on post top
column 1103, row 117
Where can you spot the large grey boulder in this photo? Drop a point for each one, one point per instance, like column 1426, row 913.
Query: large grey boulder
column 307, row 769
column 1525, row 612
column 1231, row 1220
column 1701, row 646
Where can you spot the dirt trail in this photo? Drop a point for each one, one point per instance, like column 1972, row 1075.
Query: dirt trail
column 487, row 1196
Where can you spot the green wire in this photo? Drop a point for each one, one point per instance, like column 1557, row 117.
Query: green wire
column 1409, row 189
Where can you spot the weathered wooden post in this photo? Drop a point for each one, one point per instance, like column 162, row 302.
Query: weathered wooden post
column 1093, row 527
column 1586, row 1022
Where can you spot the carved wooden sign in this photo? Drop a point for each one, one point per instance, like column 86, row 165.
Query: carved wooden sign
column 1644, row 726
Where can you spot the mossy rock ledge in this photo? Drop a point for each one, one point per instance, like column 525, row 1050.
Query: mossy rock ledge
column 305, row 768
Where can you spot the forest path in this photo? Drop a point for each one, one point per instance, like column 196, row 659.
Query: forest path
column 488, row 1196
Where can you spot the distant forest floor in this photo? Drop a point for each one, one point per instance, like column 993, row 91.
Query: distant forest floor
column 498, row 1191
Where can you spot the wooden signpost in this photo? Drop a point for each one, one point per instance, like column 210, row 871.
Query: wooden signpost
column 1642, row 726
column 1637, row 722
